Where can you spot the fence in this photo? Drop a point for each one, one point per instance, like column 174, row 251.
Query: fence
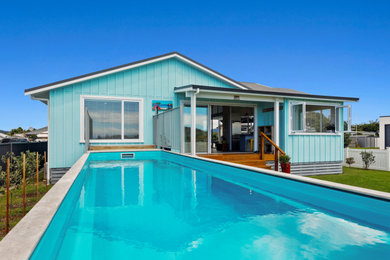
column 365, row 141
column 382, row 158
column 166, row 129
column 18, row 148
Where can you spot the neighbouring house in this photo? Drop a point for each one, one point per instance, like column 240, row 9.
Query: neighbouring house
column 384, row 132
column 200, row 111
column 2, row 136
column 41, row 134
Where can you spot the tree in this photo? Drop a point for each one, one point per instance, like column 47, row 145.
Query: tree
column 350, row 160
column 368, row 158
column 347, row 140
column 18, row 130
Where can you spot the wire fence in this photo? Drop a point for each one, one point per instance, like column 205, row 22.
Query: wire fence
column 23, row 184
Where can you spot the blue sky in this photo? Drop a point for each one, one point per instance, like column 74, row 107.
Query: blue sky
column 322, row 47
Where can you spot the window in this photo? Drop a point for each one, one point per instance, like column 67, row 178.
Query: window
column 112, row 119
column 317, row 118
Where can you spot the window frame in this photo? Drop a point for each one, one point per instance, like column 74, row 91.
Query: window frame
column 337, row 108
column 140, row 102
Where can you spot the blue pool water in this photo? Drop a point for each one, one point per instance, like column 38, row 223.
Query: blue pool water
column 165, row 206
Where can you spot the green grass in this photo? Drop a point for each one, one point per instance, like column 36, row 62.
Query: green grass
column 370, row 179
column 16, row 203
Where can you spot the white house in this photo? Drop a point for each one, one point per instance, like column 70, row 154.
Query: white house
column 384, row 132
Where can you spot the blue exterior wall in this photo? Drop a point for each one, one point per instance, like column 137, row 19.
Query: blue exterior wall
column 155, row 81
column 310, row 148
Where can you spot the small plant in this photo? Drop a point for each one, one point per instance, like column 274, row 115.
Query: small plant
column 350, row 161
column 368, row 158
column 284, row 159
column 285, row 163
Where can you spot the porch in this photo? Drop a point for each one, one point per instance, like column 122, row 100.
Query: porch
column 242, row 128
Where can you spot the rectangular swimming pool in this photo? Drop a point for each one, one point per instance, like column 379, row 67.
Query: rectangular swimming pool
column 159, row 205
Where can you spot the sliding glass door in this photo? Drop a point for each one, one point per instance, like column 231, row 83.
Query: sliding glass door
column 201, row 129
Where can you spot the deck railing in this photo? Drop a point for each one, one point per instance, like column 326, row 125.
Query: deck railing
column 276, row 152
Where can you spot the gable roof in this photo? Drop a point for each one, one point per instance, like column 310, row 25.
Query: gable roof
column 131, row 65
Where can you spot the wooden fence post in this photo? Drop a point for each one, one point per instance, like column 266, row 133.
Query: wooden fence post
column 45, row 171
column 37, row 178
column 24, row 184
column 7, row 213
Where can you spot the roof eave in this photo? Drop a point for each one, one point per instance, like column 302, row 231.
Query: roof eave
column 268, row 93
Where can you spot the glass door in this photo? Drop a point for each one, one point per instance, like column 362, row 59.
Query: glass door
column 201, row 129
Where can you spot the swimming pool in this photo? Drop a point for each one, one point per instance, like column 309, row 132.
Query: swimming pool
column 159, row 205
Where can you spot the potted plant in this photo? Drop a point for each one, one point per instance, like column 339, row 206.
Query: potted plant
column 285, row 163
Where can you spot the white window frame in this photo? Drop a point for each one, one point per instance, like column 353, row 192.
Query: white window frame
column 304, row 103
column 122, row 99
column 349, row 121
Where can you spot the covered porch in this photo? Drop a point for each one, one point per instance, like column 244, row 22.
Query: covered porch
column 224, row 125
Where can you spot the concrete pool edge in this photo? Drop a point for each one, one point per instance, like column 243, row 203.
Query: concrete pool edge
column 21, row 241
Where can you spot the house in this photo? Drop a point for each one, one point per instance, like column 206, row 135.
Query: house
column 41, row 134
column 384, row 132
column 206, row 113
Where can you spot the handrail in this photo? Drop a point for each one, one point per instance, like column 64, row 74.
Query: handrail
column 277, row 149
column 269, row 139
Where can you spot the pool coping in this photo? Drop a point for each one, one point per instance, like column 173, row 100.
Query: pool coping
column 21, row 241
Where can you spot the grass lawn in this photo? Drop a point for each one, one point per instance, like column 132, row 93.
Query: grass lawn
column 16, row 203
column 370, row 179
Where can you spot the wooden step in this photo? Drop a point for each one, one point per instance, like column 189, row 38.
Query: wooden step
column 232, row 156
column 249, row 159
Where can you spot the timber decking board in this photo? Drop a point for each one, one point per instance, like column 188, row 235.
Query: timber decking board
column 250, row 159
column 119, row 147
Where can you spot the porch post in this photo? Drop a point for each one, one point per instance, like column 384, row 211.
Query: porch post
column 276, row 122
column 193, row 123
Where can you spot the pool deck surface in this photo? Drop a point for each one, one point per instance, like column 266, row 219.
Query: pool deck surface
column 21, row 241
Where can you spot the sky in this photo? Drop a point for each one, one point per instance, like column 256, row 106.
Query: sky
column 336, row 48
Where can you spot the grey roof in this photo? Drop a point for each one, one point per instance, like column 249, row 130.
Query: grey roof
column 37, row 131
column 267, row 92
column 259, row 87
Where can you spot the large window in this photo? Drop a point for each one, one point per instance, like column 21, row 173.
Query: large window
column 112, row 119
column 316, row 118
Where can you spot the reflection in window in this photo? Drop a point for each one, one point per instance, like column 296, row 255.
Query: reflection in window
column 314, row 118
column 320, row 119
column 201, row 129
column 105, row 119
column 297, row 116
column 131, row 120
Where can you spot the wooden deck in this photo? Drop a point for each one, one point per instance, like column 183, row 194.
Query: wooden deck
column 250, row 159
column 120, row 147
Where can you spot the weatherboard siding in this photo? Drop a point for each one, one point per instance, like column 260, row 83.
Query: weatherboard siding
column 312, row 148
column 155, row 81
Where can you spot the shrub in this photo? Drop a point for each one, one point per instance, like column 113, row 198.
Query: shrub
column 284, row 159
column 368, row 158
column 16, row 167
column 350, row 160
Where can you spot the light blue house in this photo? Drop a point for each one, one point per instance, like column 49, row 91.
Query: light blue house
column 118, row 106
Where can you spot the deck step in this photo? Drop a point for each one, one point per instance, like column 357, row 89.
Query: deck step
column 249, row 159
